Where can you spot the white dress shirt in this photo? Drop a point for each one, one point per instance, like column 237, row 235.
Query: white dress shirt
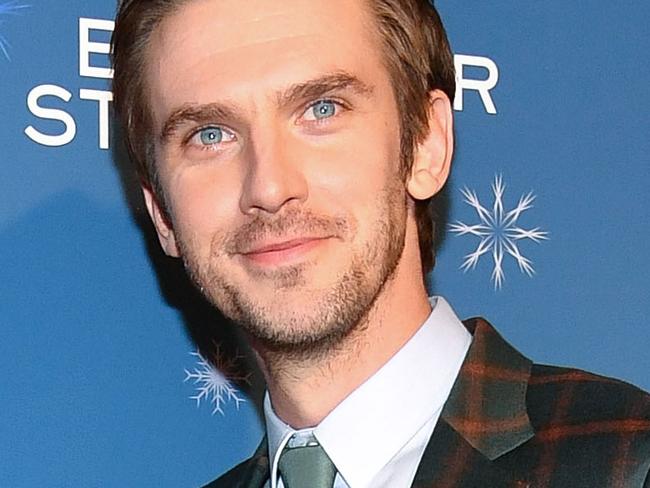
column 377, row 435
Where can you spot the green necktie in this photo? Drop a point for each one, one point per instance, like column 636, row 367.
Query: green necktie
column 306, row 466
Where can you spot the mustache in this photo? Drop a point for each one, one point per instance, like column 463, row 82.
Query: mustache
column 290, row 224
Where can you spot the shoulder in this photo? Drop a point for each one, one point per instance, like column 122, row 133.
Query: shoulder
column 232, row 477
column 251, row 472
column 574, row 396
column 595, row 420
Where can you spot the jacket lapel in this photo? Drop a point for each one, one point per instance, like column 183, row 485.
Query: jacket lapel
column 449, row 461
column 484, row 418
column 255, row 472
column 259, row 473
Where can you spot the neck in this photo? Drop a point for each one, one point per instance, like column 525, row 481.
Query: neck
column 304, row 392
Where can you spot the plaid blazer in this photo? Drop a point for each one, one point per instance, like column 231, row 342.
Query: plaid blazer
column 509, row 423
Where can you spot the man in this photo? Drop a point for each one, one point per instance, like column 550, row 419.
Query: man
column 288, row 152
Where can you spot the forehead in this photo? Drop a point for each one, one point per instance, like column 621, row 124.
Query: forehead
column 236, row 47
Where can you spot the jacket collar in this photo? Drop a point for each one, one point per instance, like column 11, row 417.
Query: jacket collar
column 255, row 472
column 487, row 404
column 484, row 418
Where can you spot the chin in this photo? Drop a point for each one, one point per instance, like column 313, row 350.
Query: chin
column 299, row 321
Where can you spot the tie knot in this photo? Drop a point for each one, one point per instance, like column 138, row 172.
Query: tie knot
column 306, row 466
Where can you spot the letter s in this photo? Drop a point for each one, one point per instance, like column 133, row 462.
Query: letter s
column 51, row 114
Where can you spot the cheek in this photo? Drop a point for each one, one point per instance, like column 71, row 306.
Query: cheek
column 354, row 167
column 201, row 205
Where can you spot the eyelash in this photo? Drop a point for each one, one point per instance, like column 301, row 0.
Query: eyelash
column 340, row 105
column 210, row 147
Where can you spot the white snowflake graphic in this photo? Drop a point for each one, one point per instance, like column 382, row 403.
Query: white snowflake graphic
column 212, row 385
column 498, row 232
column 8, row 8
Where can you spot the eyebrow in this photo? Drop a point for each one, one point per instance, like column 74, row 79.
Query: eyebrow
column 307, row 90
column 323, row 85
column 195, row 113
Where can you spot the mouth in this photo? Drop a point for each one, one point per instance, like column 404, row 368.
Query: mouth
column 283, row 252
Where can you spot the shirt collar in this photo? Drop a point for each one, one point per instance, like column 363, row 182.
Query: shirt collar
column 372, row 419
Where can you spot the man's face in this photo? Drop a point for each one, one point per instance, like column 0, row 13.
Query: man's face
column 278, row 151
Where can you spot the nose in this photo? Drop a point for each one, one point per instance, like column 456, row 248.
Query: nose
column 274, row 175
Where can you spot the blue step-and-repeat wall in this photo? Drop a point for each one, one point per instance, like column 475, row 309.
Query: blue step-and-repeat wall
column 548, row 223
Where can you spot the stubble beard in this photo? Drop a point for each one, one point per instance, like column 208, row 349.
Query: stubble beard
column 333, row 315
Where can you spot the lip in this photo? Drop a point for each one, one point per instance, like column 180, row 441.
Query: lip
column 283, row 252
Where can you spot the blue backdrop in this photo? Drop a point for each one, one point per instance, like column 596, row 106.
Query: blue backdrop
column 548, row 220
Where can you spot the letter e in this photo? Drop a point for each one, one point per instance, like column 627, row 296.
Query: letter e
column 86, row 47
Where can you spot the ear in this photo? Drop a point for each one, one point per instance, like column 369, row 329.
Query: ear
column 163, row 227
column 432, row 157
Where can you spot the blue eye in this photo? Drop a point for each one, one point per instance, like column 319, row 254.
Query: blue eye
column 212, row 138
column 211, row 135
column 323, row 109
